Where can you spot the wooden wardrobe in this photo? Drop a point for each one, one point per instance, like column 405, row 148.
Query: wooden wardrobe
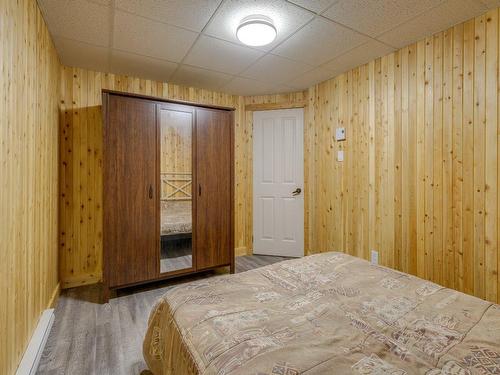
column 134, row 187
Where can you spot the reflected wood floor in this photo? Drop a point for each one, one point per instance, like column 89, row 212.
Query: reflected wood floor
column 92, row 338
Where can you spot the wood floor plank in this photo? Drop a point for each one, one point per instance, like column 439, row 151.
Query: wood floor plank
column 93, row 338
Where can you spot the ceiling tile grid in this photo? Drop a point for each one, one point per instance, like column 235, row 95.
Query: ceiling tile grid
column 358, row 56
column 141, row 66
column 193, row 42
column 190, row 14
column 316, row 6
column 320, row 41
column 204, row 78
column 429, row 23
column 79, row 20
column 151, row 38
column 373, row 17
column 220, row 55
column 272, row 68
column 286, row 16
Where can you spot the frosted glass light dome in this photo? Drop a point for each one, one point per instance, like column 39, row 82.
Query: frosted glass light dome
column 256, row 30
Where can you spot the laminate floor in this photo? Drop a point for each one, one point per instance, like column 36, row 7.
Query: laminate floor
column 92, row 338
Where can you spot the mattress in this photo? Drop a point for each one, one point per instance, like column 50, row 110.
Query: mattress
column 176, row 217
column 329, row 313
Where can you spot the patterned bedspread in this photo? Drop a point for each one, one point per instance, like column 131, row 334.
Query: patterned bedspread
column 323, row 314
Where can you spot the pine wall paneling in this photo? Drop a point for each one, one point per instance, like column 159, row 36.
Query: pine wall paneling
column 29, row 83
column 420, row 178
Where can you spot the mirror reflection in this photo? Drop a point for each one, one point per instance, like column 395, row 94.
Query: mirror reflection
column 176, row 188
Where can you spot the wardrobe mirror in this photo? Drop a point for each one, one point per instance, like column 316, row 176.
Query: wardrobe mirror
column 176, row 137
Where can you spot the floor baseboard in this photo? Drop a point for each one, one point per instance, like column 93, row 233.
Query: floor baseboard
column 31, row 357
column 54, row 297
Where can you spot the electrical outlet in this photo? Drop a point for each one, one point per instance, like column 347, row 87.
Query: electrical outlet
column 374, row 257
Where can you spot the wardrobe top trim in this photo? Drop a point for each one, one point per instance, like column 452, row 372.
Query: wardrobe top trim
column 163, row 100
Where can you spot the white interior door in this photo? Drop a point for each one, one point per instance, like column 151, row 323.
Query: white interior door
column 278, row 182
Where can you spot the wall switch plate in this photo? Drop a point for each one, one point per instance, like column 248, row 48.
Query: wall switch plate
column 374, row 257
column 340, row 134
column 340, row 155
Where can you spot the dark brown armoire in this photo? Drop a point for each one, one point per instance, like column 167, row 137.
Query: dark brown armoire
column 168, row 189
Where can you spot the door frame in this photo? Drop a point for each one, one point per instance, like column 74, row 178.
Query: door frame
column 250, row 109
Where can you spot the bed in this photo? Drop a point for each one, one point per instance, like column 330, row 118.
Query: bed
column 176, row 218
column 323, row 314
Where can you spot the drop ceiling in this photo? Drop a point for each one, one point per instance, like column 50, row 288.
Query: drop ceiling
column 193, row 42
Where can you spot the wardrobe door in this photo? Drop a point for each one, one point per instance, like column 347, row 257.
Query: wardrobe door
column 214, row 195
column 130, row 197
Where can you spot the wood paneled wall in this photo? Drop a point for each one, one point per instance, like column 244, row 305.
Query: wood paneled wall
column 420, row 178
column 29, row 86
column 81, row 164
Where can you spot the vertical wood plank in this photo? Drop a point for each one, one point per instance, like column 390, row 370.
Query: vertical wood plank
column 491, row 157
column 447, row 240
column 468, row 158
column 479, row 153
column 457, row 176
column 437, row 156
column 428, row 159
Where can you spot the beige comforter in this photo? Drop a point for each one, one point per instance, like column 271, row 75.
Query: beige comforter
column 323, row 314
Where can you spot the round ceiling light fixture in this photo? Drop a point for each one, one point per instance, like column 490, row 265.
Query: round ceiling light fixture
column 256, row 30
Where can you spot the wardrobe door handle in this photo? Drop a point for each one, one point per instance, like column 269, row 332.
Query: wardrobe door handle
column 199, row 190
column 150, row 192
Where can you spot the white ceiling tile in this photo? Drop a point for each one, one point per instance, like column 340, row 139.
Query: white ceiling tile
column 358, row 56
column 438, row 19
column 82, row 55
column 287, row 18
column 311, row 78
column 150, row 38
column 221, row 56
column 316, row 6
column 79, row 20
column 191, row 14
column 196, row 77
column 245, row 86
column 373, row 17
column 141, row 66
column 319, row 41
column 275, row 69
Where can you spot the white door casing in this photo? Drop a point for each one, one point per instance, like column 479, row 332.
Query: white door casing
column 278, row 171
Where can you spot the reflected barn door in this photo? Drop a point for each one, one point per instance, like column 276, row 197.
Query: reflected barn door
column 278, row 179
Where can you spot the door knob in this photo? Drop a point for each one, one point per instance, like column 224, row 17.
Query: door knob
column 296, row 192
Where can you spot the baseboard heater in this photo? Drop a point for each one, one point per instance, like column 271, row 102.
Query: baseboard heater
column 31, row 357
